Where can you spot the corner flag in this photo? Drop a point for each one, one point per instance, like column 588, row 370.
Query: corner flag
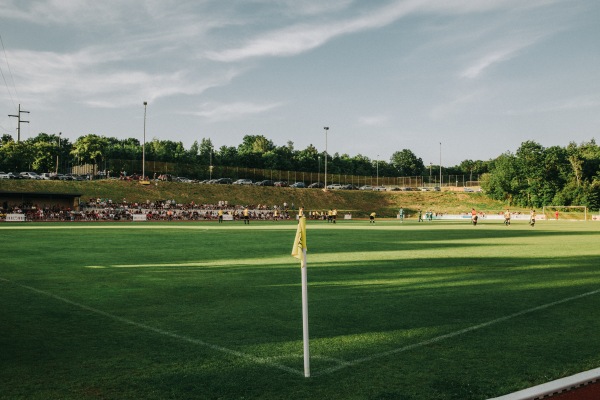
column 299, row 248
column 299, row 251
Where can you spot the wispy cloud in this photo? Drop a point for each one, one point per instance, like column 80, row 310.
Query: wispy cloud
column 303, row 37
column 222, row 112
column 374, row 120
column 503, row 53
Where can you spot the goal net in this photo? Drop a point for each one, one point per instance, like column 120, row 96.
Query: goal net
column 572, row 213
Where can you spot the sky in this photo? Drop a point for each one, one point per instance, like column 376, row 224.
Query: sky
column 449, row 80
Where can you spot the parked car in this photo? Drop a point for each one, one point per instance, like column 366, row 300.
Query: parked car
column 379, row 188
column 334, row 186
column 266, row 182
column 468, row 190
column 316, row 185
column 349, row 187
column 223, row 181
column 298, row 185
column 30, row 175
column 366, row 187
column 47, row 176
column 7, row 175
column 281, row 184
column 243, row 182
column 182, row 179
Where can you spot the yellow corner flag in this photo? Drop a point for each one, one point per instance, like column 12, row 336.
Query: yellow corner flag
column 300, row 240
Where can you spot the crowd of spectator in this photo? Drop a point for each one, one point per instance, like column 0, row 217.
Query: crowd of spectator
column 101, row 209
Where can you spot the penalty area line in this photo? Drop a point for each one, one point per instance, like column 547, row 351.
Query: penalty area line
column 268, row 361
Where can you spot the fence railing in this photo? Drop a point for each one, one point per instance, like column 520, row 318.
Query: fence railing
column 153, row 169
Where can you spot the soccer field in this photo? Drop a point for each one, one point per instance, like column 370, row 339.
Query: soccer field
column 440, row 310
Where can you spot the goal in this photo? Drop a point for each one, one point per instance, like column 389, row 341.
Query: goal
column 571, row 213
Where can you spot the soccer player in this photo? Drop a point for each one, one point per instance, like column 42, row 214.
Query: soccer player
column 507, row 217
column 401, row 214
column 220, row 214
column 532, row 218
column 334, row 215
column 473, row 216
column 372, row 218
column 246, row 216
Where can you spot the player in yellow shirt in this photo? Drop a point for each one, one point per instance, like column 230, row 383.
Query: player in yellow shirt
column 372, row 218
column 334, row 215
column 220, row 214
column 246, row 216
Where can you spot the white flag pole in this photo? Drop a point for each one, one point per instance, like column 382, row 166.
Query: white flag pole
column 305, row 315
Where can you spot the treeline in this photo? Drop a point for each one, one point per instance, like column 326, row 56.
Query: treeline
column 40, row 153
column 532, row 177
column 536, row 176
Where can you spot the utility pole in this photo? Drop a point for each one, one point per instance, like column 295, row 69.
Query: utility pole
column 19, row 123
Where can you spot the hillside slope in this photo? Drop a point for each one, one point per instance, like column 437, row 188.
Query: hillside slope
column 360, row 203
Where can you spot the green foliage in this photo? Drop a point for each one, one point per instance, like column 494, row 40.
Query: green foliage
column 407, row 163
column 536, row 176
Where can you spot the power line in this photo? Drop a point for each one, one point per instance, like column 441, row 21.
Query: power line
column 11, row 75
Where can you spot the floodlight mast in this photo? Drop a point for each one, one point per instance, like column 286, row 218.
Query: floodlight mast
column 144, row 145
column 326, row 129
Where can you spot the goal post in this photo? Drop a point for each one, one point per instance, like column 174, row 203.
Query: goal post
column 572, row 213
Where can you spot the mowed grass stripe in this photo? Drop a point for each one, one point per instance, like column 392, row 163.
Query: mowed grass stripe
column 374, row 292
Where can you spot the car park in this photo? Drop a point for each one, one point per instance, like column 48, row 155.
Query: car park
column 243, row 182
column 298, row 185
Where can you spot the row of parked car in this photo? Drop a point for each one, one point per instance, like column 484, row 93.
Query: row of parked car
column 43, row 176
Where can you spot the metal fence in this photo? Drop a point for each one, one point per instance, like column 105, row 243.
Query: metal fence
column 153, row 169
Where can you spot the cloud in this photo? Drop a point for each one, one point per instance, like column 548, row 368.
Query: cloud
column 303, row 37
column 503, row 53
column 374, row 120
column 222, row 112
column 300, row 37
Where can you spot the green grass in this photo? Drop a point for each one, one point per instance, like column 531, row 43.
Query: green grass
column 207, row 311
column 360, row 203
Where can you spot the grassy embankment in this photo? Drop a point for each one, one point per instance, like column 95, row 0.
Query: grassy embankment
column 360, row 203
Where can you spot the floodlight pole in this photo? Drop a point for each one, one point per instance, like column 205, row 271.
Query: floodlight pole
column 58, row 152
column 440, row 165
column 326, row 129
column 377, row 165
column 144, row 145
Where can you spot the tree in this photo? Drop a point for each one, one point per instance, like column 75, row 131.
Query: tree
column 90, row 149
column 407, row 163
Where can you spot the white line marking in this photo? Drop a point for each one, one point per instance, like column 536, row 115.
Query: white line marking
column 269, row 361
column 259, row 360
column 452, row 334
